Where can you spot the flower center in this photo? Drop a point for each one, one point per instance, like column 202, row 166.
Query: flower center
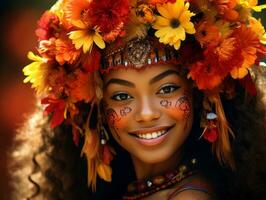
column 174, row 23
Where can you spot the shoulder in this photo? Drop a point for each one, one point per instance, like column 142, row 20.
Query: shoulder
column 193, row 195
column 193, row 188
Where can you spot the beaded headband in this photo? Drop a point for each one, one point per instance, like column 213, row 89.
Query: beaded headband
column 79, row 38
column 138, row 53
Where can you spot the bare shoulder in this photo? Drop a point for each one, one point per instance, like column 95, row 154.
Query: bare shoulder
column 193, row 195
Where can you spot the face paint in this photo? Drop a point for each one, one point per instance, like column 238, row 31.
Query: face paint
column 125, row 111
column 183, row 104
column 112, row 117
column 165, row 103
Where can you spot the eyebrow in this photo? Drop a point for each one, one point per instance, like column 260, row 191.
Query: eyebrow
column 119, row 81
column 132, row 85
column 162, row 75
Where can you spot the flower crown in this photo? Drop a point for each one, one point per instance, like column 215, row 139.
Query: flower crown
column 226, row 41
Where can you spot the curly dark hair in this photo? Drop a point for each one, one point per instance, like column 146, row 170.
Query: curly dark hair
column 46, row 164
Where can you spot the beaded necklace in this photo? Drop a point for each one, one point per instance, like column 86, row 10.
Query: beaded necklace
column 143, row 188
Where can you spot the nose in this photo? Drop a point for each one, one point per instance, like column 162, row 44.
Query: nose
column 147, row 111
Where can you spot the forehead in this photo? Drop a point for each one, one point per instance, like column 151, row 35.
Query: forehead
column 135, row 75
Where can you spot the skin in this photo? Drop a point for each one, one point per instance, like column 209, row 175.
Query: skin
column 158, row 97
column 135, row 104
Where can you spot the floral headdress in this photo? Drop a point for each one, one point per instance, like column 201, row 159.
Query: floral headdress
column 72, row 40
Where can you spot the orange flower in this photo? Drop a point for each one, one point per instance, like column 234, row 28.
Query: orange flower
column 81, row 86
column 249, row 43
column 205, row 75
column 218, row 62
column 76, row 10
column 207, row 33
column 66, row 51
column 226, row 9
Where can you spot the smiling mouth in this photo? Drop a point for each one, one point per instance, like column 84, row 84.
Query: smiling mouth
column 153, row 133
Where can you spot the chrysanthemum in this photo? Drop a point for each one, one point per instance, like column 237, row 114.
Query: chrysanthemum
column 108, row 15
column 37, row 73
column 174, row 23
column 226, row 8
column 47, row 26
column 65, row 51
column 85, row 37
column 249, row 43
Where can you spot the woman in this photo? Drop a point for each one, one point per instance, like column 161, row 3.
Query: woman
column 153, row 77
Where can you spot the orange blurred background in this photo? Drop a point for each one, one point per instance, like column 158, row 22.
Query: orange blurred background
column 18, row 22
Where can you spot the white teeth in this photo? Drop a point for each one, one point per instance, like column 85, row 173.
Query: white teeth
column 152, row 135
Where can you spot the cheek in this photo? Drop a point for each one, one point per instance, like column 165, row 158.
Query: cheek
column 179, row 109
column 118, row 117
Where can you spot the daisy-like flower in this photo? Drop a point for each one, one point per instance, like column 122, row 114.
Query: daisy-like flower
column 217, row 63
column 76, row 10
column 85, row 37
column 251, row 4
column 257, row 27
column 37, row 73
column 174, row 23
column 249, row 44
column 207, row 33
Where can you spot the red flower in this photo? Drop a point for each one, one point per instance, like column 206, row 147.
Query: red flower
column 57, row 108
column 81, row 86
column 108, row 14
column 211, row 134
column 47, row 26
column 91, row 61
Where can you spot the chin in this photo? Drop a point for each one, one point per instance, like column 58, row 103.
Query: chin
column 156, row 156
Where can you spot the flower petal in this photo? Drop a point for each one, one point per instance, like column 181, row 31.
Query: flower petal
column 98, row 41
column 163, row 11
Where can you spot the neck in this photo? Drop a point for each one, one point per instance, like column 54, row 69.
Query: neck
column 144, row 170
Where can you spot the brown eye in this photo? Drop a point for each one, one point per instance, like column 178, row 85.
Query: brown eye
column 121, row 96
column 166, row 89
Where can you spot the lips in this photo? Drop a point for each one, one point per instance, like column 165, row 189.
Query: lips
column 151, row 136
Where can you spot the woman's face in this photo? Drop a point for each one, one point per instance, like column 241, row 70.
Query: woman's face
column 149, row 111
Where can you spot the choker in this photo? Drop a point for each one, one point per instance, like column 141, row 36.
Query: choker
column 143, row 188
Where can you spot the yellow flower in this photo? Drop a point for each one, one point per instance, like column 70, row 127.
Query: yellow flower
column 85, row 37
column 252, row 4
column 36, row 73
column 174, row 23
column 258, row 28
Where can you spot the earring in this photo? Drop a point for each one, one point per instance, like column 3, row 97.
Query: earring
column 210, row 132
column 103, row 136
